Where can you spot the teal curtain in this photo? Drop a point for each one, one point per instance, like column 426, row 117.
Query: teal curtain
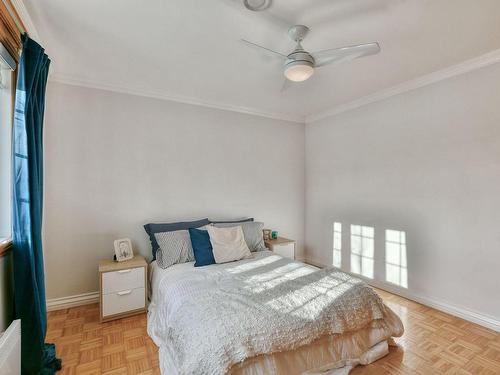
column 36, row 356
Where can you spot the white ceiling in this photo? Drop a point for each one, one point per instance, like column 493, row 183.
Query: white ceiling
column 190, row 48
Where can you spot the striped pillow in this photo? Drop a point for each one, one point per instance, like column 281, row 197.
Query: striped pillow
column 175, row 247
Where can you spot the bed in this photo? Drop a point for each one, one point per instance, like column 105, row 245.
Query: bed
column 265, row 315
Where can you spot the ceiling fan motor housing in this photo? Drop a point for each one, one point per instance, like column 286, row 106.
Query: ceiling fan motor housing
column 299, row 65
column 299, row 56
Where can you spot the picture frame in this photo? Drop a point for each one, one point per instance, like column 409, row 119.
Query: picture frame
column 123, row 249
column 266, row 234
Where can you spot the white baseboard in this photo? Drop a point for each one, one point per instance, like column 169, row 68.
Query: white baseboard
column 459, row 311
column 72, row 301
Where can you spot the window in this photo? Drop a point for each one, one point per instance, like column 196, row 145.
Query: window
column 395, row 258
column 362, row 250
column 337, row 244
column 11, row 28
column 5, row 149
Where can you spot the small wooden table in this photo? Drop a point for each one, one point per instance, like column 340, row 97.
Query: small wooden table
column 282, row 246
column 123, row 288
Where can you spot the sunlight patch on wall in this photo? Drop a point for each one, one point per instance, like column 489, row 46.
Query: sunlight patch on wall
column 362, row 250
column 337, row 244
column 396, row 271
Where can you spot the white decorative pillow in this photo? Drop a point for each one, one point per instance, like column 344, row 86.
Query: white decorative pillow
column 228, row 244
column 252, row 232
column 175, row 247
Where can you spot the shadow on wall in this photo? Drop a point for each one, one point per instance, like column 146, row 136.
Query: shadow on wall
column 363, row 255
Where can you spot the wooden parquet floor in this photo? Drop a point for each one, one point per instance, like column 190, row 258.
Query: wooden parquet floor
column 434, row 343
column 88, row 347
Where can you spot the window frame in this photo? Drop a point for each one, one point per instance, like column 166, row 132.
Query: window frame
column 5, row 246
column 11, row 28
column 6, row 243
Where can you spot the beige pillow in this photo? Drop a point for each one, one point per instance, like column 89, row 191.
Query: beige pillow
column 228, row 244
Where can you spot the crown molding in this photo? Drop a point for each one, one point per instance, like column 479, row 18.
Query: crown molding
column 26, row 18
column 68, row 80
column 482, row 61
column 467, row 66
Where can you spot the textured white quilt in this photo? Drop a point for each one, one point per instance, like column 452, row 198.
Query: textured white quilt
column 213, row 317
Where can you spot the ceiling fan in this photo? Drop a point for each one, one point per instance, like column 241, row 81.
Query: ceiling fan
column 299, row 65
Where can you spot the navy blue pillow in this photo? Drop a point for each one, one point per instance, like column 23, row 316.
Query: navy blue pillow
column 202, row 247
column 232, row 221
column 151, row 229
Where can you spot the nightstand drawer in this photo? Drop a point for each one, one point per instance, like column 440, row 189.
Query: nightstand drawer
column 285, row 250
column 116, row 281
column 123, row 301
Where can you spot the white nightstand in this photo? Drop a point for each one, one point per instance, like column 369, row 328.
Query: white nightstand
column 282, row 246
column 123, row 287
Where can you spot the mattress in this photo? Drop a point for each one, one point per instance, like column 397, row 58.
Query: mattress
column 180, row 290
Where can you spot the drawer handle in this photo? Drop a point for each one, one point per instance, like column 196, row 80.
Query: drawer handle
column 124, row 271
column 124, row 293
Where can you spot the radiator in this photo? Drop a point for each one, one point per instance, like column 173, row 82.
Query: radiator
column 10, row 350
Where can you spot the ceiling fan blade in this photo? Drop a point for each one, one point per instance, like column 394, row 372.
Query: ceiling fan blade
column 337, row 55
column 270, row 51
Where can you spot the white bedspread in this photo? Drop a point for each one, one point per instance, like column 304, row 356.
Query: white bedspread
column 216, row 316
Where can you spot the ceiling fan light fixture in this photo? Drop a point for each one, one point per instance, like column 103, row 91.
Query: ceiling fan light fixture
column 299, row 65
column 299, row 71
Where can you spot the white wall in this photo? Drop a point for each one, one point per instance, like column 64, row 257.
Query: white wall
column 428, row 163
column 114, row 162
